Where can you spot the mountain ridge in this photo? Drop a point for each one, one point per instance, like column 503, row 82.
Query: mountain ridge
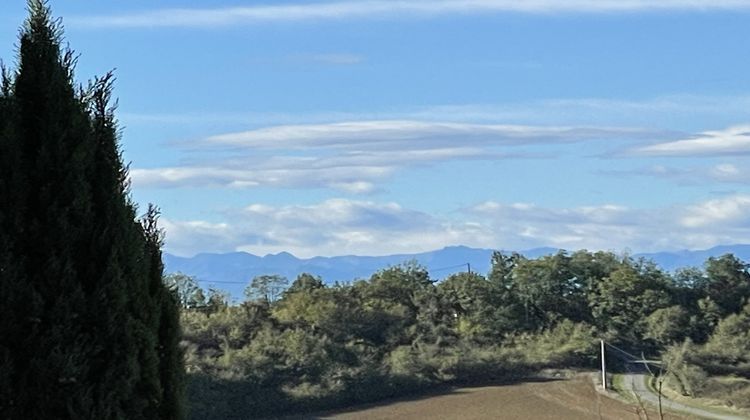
column 233, row 271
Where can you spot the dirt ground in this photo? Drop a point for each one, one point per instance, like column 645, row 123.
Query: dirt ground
column 574, row 398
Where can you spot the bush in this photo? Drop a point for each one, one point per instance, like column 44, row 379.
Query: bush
column 731, row 390
column 566, row 344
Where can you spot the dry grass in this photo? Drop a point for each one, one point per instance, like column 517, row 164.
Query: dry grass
column 729, row 395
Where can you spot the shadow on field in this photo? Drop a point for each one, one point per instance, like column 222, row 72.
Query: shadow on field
column 212, row 398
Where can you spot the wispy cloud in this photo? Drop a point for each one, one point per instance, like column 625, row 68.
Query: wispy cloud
column 215, row 17
column 354, row 156
column 670, row 111
column 731, row 141
column 662, row 111
column 342, row 226
column 414, row 135
column 352, row 172
column 727, row 173
column 302, row 174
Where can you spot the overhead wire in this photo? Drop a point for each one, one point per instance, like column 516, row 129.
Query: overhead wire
column 447, row 268
column 245, row 282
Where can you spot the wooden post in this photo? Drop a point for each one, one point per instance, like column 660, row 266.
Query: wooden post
column 604, row 368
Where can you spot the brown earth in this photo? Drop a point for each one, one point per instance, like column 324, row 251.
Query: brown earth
column 574, row 398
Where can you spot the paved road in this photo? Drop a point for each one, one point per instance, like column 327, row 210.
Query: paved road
column 636, row 383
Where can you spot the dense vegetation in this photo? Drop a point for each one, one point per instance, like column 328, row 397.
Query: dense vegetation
column 312, row 346
column 87, row 328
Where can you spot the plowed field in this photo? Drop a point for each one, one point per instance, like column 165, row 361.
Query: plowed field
column 574, row 398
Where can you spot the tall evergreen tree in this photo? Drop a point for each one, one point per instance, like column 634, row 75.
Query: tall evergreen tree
column 170, row 356
column 86, row 325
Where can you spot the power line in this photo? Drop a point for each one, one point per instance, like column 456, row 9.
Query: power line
column 223, row 282
column 622, row 351
column 450, row 267
column 468, row 265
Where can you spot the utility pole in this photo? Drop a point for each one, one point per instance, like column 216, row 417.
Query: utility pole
column 604, row 368
column 468, row 267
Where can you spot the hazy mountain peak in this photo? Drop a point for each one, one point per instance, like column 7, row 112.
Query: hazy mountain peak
column 232, row 271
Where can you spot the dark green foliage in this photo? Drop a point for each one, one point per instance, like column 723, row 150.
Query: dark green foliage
column 668, row 325
column 718, row 369
column 305, row 282
column 727, row 283
column 398, row 332
column 483, row 310
column 166, row 321
column 549, row 290
column 84, row 317
column 621, row 302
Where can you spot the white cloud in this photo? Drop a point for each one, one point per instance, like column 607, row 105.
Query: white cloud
column 341, row 226
column 368, row 9
column 191, row 237
column 726, row 170
column 412, row 135
column 333, row 227
column 721, row 173
column 718, row 212
column 594, row 227
column 316, row 174
column 354, row 156
column 608, row 226
column 354, row 187
column 731, row 141
column 729, row 173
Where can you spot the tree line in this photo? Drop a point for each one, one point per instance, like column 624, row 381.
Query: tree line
column 312, row 346
column 89, row 329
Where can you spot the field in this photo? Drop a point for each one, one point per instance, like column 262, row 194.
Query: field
column 574, row 398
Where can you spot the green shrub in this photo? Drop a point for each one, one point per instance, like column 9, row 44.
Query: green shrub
column 566, row 344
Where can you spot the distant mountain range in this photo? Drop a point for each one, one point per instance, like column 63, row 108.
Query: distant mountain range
column 233, row 271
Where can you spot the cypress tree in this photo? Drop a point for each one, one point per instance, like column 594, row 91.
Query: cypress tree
column 171, row 366
column 86, row 328
column 10, row 291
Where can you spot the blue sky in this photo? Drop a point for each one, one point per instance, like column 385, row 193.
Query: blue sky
column 379, row 127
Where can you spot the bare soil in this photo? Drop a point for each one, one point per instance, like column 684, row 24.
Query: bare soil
column 574, row 398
